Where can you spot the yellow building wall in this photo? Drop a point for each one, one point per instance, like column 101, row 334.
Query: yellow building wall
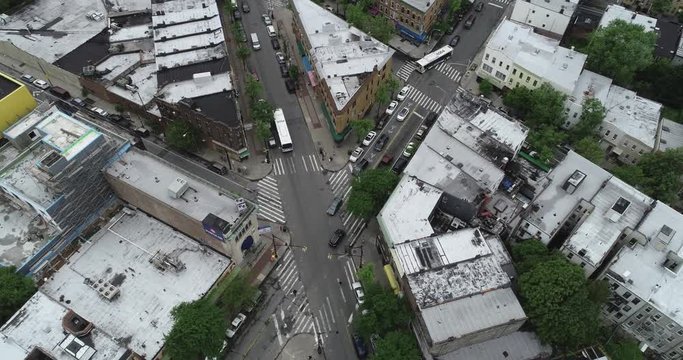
column 15, row 105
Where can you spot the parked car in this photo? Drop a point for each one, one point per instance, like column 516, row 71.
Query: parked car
column 218, row 168
column 290, row 84
column 403, row 93
column 421, row 132
column 470, row 21
column 381, row 141
column 28, row 78
column 266, row 19
column 403, row 114
column 359, row 346
column 284, row 70
column 79, row 102
column 454, row 41
column 358, row 290
column 336, row 237
column 99, row 111
column 271, row 31
column 392, row 107
column 245, row 8
column 236, row 14
column 280, row 57
column 142, row 132
column 479, row 7
column 275, row 43
column 334, row 206
column 387, row 159
column 381, row 121
column 356, row 154
column 409, row 150
column 60, row 93
column 399, row 165
column 254, row 301
column 360, row 166
column 242, row 35
column 41, row 84
column 451, row 29
column 431, row 119
column 369, row 137
column 66, row 107
column 235, row 325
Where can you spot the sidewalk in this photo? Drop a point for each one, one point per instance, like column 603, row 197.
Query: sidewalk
column 261, row 262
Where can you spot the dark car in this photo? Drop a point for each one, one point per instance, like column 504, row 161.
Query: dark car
column 275, row 43
column 451, row 29
column 60, row 93
column 399, row 165
column 79, row 102
column 218, row 168
column 359, row 345
column 382, row 121
column 28, row 78
column 290, row 84
column 66, row 107
column 360, row 166
column 236, row 15
column 245, row 8
column 470, row 21
column 336, row 237
column 454, row 41
column 284, row 71
column 381, row 141
column 479, row 7
column 387, row 159
column 334, row 206
column 431, row 119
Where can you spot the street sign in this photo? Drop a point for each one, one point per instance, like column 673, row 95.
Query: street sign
column 264, row 229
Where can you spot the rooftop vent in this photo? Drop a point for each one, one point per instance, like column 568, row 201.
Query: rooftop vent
column 665, row 234
column 241, row 205
column 618, row 209
column 105, row 289
column 76, row 348
column 177, row 188
column 165, row 262
column 673, row 262
column 49, row 159
column 573, row 182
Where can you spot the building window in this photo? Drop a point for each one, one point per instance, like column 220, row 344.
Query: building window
column 487, row 68
column 627, row 295
column 614, row 137
column 500, row 75
column 648, row 309
column 635, row 301
column 633, row 147
column 514, row 71
column 575, row 115
column 521, row 74
column 583, row 264
column 493, row 61
column 619, row 315
column 486, row 57
column 626, row 308
column 657, row 317
column 528, row 78
column 639, row 316
column 571, row 255
column 607, row 133
column 630, row 323
column 680, row 332
column 507, row 67
column 500, row 63
column 535, row 82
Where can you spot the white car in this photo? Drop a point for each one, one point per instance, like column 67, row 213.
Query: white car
column 41, row 84
column 225, row 344
column 392, row 107
column 99, row 111
column 266, row 19
column 369, row 137
column 235, row 325
column 358, row 290
column 402, row 114
column 403, row 93
column 356, row 154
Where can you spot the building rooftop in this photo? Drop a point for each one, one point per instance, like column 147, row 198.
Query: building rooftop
column 516, row 346
column 153, row 267
column 618, row 206
column 7, row 85
column 555, row 202
column 130, row 5
column 538, row 54
column 57, row 27
column 117, row 64
column 144, row 79
column 131, row 32
column 422, row 5
column 341, row 54
column 221, row 107
column 616, row 12
column 157, row 178
column 22, row 233
column 671, row 136
column 38, row 325
column 636, row 116
column 202, row 84
column 26, row 177
column 667, row 42
column 567, row 7
column 642, row 266
column 402, row 223
column 591, row 85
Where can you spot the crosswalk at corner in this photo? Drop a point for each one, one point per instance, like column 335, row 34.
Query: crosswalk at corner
column 340, row 182
column 268, row 200
column 294, row 164
column 423, row 100
column 404, row 71
column 449, row 71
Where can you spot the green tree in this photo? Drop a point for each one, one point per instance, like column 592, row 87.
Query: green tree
column 378, row 27
column 485, row 87
column 453, row 7
column 366, row 275
column 631, row 174
column 661, row 82
column 545, row 140
column 556, row 299
column 397, row 345
column 236, row 293
column 656, row 174
column 370, row 190
column 392, row 85
column 253, row 89
column 243, row 53
column 382, row 97
column 15, row 290
column 624, row 350
column 519, row 101
column 592, row 114
column 263, row 130
column 546, row 107
column 362, row 127
column 198, row 331
column 293, row 71
column 620, row 49
column 589, row 148
column 182, row 135
column 660, row 7
column 228, row 8
column 530, row 253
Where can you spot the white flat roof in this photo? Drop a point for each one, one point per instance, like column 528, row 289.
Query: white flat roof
column 405, row 215
column 599, row 231
column 26, row 178
column 615, row 12
column 190, row 28
column 636, row 116
column 519, row 345
column 144, row 78
column 122, row 254
column 117, row 64
column 566, row 6
column 201, row 85
column 591, row 85
column 671, row 136
column 554, row 203
column 38, row 324
column 130, row 5
column 340, row 53
column 183, row 44
column 538, row 54
column 153, row 176
column 642, row 265
column 66, row 23
column 129, row 33
column 191, row 57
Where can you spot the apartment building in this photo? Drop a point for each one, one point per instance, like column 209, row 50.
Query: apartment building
column 414, row 19
column 548, row 17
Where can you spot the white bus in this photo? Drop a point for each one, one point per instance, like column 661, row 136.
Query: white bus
column 282, row 131
column 434, row 58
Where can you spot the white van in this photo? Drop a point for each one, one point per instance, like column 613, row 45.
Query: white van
column 254, row 41
column 271, row 31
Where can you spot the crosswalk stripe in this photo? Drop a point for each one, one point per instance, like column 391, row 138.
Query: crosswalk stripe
column 268, row 200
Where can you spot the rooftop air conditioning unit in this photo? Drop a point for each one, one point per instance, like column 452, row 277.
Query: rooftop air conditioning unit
column 177, row 188
column 105, row 289
column 241, row 205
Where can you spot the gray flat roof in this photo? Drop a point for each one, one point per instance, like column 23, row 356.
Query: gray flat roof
column 519, row 345
column 422, row 5
column 615, row 12
column 153, row 176
column 7, row 86
column 155, row 268
column 38, row 324
column 636, row 116
column 58, row 27
column 671, row 136
column 554, row 203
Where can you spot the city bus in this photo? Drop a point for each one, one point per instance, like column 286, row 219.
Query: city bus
column 282, row 131
column 434, row 58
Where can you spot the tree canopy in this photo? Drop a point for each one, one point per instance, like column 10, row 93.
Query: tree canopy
column 378, row 27
column 592, row 114
column 182, row 135
column 15, row 290
column 370, row 190
column 541, row 106
column 656, row 174
column 362, row 127
column 545, row 139
column 397, row 345
column 485, row 87
column 661, row 82
column 253, row 88
column 589, row 148
column 236, row 293
column 198, row 330
column 620, row 49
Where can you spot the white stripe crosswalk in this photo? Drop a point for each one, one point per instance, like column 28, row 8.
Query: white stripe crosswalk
column 293, row 315
column 449, row 71
column 340, row 182
column 292, row 165
column 268, row 199
column 405, row 71
column 423, row 100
